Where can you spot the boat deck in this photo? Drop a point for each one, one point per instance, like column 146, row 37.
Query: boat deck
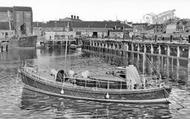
column 47, row 76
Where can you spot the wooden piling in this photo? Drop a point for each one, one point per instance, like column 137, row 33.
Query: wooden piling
column 168, row 60
column 138, row 50
column 7, row 48
column 178, row 65
column 144, row 61
column 188, row 67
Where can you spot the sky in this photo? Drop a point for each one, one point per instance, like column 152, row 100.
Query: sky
column 99, row 10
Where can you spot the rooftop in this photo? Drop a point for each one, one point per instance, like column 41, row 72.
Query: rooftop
column 70, row 19
column 83, row 24
column 140, row 23
column 5, row 9
column 100, row 24
column 16, row 8
column 20, row 8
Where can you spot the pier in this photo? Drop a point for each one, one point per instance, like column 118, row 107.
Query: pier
column 171, row 59
column 53, row 43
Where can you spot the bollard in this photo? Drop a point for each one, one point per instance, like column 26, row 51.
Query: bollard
column 171, row 38
column 1, row 48
column 155, row 38
column 162, row 38
column 6, row 48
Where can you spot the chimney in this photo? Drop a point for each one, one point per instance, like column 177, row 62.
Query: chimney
column 71, row 16
column 77, row 17
column 74, row 17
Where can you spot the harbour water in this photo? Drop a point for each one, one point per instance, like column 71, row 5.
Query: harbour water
column 16, row 102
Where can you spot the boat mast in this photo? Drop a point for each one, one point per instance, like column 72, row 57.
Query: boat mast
column 67, row 38
column 9, row 19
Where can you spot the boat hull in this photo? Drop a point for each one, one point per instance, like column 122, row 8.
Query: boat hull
column 77, row 92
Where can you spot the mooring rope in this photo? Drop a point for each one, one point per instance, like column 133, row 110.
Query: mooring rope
column 152, row 65
column 175, row 99
column 4, row 77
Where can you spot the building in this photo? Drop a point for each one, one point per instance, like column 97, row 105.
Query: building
column 139, row 28
column 59, row 35
column 73, row 18
column 159, row 18
column 183, row 25
column 39, row 28
column 22, row 19
column 187, row 27
column 5, row 31
column 4, row 34
column 96, row 29
column 116, row 34
column 99, row 29
column 6, row 22
column 171, row 28
column 156, row 28
column 17, row 19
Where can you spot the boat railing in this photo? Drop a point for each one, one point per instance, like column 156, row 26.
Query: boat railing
column 151, row 81
column 110, row 84
column 101, row 84
column 35, row 74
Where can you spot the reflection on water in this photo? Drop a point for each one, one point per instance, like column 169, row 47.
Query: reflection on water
column 18, row 54
column 68, row 108
column 20, row 103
